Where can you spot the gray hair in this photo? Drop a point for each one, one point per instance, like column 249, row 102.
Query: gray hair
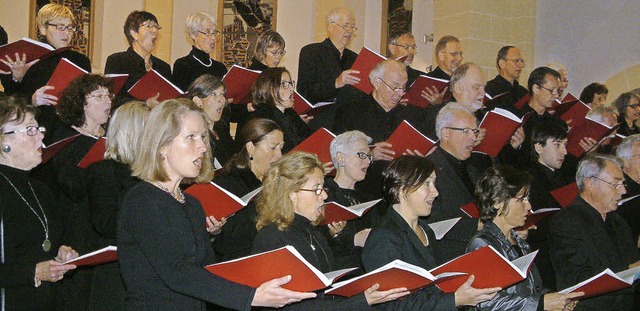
column 343, row 143
column 557, row 67
column 598, row 113
column 378, row 71
column 195, row 21
column 460, row 73
column 125, row 130
column 447, row 116
column 334, row 14
column 624, row 149
column 592, row 166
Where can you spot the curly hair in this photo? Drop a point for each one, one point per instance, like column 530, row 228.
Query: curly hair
column 405, row 175
column 286, row 176
column 73, row 99
column 498, row 185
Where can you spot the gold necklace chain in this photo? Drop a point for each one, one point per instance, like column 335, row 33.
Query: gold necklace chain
column 179, row 197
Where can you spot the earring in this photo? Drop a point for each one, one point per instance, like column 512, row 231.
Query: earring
column 6, row 148
column 250, row 157
column 341, row 164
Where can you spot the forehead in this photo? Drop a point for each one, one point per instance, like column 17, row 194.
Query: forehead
column 552, row 140
column 274, row 137
column 285, row 76
column 60, row 20
column 612, row 170
column 453, row 46
column 395, row 74
column 514, row 53
column 28, row 119
column 549, row 79
column 474, row 76
column 315, row 177
column 192, row 122
column 464, row 119
column 406, row 39
column 345, row 16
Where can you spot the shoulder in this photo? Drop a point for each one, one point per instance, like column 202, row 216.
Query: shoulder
column 118, row 56
column 182, row 61
column 268, row 238
column 481, row 239
column 160, row 63
column 311, row 47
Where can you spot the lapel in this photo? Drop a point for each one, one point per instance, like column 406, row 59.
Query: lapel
column 413, row 239
column 449, row 180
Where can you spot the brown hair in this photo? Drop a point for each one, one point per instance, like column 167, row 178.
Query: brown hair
column 254, row 131
column 265, row 90
column 13, row 109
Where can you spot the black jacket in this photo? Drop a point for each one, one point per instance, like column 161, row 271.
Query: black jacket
column 512, row 92
column 394, row 239
column 525, row 295
column 293, row 128
column 188, row 68
column 257, row 65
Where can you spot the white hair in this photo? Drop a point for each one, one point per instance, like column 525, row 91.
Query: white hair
column 623, row 150
column 447, row 116
column 195, row 21
column 345, row 141
column 593, row 165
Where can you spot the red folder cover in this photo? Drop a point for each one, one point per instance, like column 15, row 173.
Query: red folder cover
column 103, row 255
column 302, row 106
column 565, row 195
column 318, row 143
column 407, row 137
column 334, row 212
column 604, row 282
column 365, row 62
column 238, row 82
column 95, row 154
column 62, row 76
column 568, row 98
column 490, row 268
column 536, row 216
column 392, row 275
column 488, row 98
column 32, row 48
column 500, row 125
column 471, row 209
column 118, row 81
column 522, row 101
column 153, row 83
column 587, row 128
column 50, row 151
column 256, row 269
column 573, row 112
column 414, row 95
column 217, row 201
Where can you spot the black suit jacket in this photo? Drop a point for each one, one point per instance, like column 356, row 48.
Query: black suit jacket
column 394, row 239
column 582, row 245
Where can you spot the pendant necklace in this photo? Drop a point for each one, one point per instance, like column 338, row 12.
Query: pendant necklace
column 179, row 197
column 46, row 244
column 203, row 64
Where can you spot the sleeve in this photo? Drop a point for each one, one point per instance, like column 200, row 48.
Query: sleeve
column 314, row 84
column 508, row 298
column 10, row 87
column 180, row 74
column 155, row 235
column 382, row 247
column 103, row 192
column 16, row 274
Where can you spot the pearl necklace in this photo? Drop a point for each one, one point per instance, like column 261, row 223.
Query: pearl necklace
column 179, row 197
column 203, row 64
column 46, row 244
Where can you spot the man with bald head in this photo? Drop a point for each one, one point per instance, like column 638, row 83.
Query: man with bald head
column 323, row 67
column 510, row 64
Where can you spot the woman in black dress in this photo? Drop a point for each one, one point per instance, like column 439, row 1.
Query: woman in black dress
column 273, row 99
column 107, row 183
column 163, row 245
column 141, row 29
column 289, row 207
column 269, row 51
column 208, row 93
column 503, row 200
column 31, row 231
column 261, row 141
column 409, row 188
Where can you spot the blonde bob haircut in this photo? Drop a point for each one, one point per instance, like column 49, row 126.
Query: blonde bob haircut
column 286, row 176
column 163, row 126
column 52, row 11
column 125, row 129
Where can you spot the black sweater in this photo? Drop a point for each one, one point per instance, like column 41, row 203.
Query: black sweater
column 188, row 68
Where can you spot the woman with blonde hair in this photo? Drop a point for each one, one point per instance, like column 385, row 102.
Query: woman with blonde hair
column 162, row 241
column 107, row 183
column 290, row 206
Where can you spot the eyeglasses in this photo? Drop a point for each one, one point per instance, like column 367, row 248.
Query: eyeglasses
column 407, row 47
column 553, row 92
column 348, row 27
column 400, row 89
column 61, row 27
column 617, row 186
column 31, row 130
column 208, row 33
column 101, row 97
column 151, row 26
column 519, row 61
column 278, row 53
column 454, row 54
column 633, row 106
column 365, row 156
column 287, row 84
column 317, row 191
column 465, row 130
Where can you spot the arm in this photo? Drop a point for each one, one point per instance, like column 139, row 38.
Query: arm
column 103, row 190
column 315, row 83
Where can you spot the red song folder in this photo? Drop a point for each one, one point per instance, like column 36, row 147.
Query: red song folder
column 153, row 83
column 407, row 137
column 334, row 212
column 414, row 95
column 217, row 201
column 31, row 48
column 365, row 62
column 318, row 143
column 238, row 82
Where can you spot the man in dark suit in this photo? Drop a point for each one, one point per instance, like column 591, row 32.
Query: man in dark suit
column 588, row 237
column 457, row 173
column 510, row 64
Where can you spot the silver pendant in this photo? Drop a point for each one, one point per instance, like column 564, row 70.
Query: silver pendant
column 46, row 245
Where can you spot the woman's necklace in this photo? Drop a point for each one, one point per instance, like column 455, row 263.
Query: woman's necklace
column 46, row 244
column 203, row 64
column 179, row 197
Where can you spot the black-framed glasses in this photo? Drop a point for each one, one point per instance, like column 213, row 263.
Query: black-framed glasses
column 151, row 26
column 407, row 46
column 348, row 27
column 454, row 54
column 317, row 191
column 465, row 130
column 287, row 84
column 210, row 33
column 617, row 186
column 101, row 97
column 31, row 130
column 553, row 92
column 519, row 61
column 278, row 53
column 402, row 89
column 61, row 27
column 365, row 156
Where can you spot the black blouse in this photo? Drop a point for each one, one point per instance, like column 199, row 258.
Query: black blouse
column 294, row 129
column 188, row 68
column 257, row 65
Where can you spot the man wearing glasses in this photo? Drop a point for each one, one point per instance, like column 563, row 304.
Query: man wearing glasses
column 510, row 64
column 449, row 56
column 629, row 153
column 403, row 44
column 588, row 237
